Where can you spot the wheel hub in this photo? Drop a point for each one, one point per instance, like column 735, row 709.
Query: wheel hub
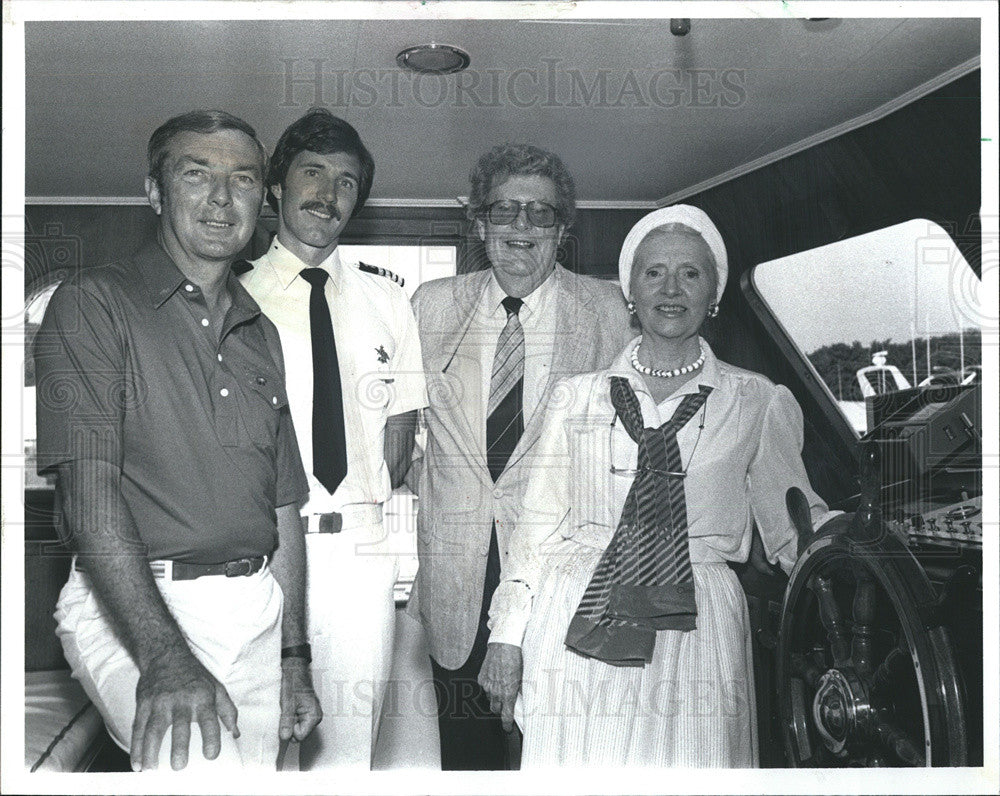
column 840, row 709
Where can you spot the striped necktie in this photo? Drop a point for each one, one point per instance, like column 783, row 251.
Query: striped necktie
column 505, row 413
column 643, row 582
column 504, row 426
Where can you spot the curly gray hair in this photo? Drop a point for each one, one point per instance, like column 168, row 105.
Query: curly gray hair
column 510, row 160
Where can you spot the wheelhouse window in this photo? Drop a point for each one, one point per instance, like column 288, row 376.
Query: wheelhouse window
column 34, row 311
column 878, row 313
column 414, row 264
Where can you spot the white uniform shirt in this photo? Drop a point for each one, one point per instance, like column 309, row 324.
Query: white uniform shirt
column 378, row 350
column 738, row 470
column 538, row 319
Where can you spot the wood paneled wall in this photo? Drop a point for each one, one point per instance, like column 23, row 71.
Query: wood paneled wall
column 64, row 238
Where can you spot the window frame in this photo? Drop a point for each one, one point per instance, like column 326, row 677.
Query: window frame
column 793, row 353
column 799, row 362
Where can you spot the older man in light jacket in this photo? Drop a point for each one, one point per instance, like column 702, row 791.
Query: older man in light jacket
column 494, row 344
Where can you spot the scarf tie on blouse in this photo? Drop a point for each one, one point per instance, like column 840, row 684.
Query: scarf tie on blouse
column 643, row 581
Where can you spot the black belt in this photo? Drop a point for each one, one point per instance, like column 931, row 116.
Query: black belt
column 353, row 516
column 180, row 570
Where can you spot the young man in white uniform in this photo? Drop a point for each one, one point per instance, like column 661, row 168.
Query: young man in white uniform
column 355, row 383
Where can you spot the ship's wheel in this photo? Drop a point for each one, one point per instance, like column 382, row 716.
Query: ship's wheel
column 866, row 675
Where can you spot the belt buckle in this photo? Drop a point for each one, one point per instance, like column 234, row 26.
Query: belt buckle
column 239, row 568
column 331, row 522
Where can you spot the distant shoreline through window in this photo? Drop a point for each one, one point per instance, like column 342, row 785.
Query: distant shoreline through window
column 890, row 310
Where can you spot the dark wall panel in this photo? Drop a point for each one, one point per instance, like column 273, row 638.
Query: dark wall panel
column 923, row 161
column 63, row 238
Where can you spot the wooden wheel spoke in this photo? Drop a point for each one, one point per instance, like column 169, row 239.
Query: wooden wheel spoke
column 897, row 740
column 864, row 618
column 889, row 667
column 805, row 668
column 865, row 676
column 818, row 658
column 829, row 614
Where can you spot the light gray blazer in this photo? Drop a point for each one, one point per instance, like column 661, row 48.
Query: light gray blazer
column 458, row 500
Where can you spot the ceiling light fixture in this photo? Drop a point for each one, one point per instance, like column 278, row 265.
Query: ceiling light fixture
column 820, row 24
column 433, row 59
column 680, row 27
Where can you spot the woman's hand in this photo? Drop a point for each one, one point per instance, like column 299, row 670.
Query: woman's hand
column 500, row 677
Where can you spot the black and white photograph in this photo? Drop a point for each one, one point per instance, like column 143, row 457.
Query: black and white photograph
column 500, row 397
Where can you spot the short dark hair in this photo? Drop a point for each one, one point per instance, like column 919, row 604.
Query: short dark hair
column 200, row 121
column 321, row 132
column 516, row 160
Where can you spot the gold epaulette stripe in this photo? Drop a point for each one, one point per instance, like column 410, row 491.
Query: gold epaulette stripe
column 374, row 269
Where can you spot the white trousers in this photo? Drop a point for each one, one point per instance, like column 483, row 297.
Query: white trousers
column 233, row 626
column 350, row 614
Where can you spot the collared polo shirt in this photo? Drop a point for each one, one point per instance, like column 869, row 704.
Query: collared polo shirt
column 378, row 349
column 131, row 371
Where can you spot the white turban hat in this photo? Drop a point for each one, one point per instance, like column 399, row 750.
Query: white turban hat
column 687, row 215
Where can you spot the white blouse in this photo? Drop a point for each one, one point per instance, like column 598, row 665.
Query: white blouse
column 739, row 467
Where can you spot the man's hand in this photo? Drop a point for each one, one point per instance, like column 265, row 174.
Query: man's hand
column 500, row 678
column 397, row 446
column 300, row 710
column 172, row 692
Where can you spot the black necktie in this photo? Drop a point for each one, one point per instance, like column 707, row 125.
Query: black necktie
column 329, row 440
column 505, row 415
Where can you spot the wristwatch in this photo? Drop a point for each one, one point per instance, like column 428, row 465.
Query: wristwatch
column 297, row 651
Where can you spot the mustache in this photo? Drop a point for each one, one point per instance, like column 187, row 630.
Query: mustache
column 323, row 207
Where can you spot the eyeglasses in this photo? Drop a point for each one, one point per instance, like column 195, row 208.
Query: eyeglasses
column 631, row 473
column 506, row 211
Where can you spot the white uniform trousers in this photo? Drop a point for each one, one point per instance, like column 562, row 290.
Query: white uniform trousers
column 233, row 626
column 350, row 614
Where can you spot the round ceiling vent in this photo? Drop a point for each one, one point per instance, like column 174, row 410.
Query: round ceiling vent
column 433, row 59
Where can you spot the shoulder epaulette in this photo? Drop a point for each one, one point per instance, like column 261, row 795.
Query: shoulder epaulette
column 374, row 269
column 240, row 267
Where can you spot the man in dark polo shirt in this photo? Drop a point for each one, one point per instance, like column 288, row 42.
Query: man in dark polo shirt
column 162, row 408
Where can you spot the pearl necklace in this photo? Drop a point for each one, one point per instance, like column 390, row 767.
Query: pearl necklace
column 663, row 374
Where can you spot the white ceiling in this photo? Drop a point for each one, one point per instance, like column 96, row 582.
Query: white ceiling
column 95, row 91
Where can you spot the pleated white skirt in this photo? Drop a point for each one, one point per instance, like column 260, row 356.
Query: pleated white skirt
column 692, row 706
